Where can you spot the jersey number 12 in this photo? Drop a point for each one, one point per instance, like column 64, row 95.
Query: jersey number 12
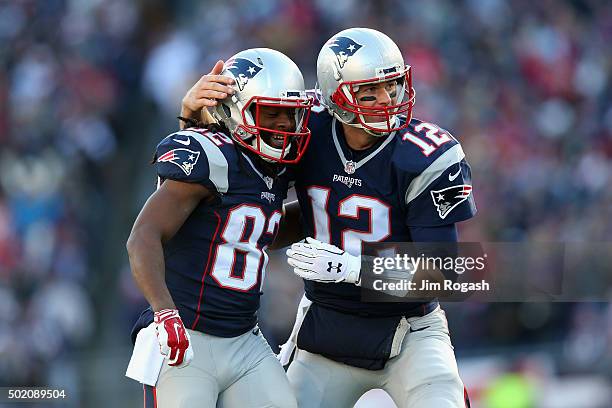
column 379, row 220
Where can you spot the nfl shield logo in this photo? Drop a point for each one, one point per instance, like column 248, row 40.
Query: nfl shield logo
column 350, row 167
column 269, row 181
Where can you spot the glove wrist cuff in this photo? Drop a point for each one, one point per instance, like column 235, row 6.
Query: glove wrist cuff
column 165, row 314
column 354, row 269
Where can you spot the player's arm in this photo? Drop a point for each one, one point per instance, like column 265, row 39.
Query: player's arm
column 160, row 218
column 290, row 229
column 204, row 94
column 188, row 166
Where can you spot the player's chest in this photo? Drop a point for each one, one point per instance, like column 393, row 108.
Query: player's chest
column 352, row 204
column 343, row 176
column 249, row 213
column 248, row 186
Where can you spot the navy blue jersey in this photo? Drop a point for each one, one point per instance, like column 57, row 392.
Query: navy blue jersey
column 215, row 263
column 416, row 177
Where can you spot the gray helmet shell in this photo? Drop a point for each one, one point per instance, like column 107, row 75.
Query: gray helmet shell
column 260, row 74
column 359, row 55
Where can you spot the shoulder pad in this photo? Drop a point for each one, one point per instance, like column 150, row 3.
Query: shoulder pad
column 437, row 177
column 422, row 144
column 195, row 157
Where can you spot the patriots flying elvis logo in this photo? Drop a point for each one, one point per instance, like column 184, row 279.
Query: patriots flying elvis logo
column 448, row 198
column 243, row 70
column 184, row 158
column 344, row 48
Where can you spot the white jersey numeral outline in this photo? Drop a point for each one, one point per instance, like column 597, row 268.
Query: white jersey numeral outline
column 379, row 226
column 433, row 133
column 234, row 244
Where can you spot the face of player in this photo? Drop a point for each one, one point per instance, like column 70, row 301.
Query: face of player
column 276, row 118
column 377, row 95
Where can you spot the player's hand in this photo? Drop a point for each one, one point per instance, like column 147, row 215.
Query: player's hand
column 208, row 90
column 321, row 262
column 173, row 338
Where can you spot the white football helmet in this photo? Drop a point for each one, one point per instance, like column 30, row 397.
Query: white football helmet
column 265, row 77
column 357, row 57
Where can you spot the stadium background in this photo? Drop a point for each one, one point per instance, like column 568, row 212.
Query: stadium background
column 88, row 87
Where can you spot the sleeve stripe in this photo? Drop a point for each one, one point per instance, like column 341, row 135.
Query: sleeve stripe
column 217, row 163
column 420, row 183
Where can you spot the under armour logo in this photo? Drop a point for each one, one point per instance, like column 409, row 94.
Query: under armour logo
column 335, row 267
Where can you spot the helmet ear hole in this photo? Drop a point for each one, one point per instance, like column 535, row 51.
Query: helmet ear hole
column 226, row 110
column 337, row 73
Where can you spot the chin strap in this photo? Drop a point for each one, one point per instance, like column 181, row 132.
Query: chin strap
column 190, row 122
column 368, row 131
column 269, row 150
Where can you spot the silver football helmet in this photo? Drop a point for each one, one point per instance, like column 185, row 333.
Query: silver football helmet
column 265, row 77
column 361, row 56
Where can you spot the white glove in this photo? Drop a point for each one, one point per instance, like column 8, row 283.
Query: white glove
column 173, row 338
column 321, row 262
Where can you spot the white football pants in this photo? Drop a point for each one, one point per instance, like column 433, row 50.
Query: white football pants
column 423, row 375
column 226, row 372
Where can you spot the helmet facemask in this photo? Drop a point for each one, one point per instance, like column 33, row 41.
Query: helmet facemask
column 275, row 145
column 378, row 120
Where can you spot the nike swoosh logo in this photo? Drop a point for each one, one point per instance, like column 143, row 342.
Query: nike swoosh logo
column 177, row 327
column 183, row 142
column 452, row 177
column 418, row 330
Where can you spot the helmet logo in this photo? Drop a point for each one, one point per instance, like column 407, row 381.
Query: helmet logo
column 243, row 70
column 344, row 48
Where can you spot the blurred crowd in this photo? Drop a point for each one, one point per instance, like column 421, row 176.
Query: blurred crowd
column 88, row 87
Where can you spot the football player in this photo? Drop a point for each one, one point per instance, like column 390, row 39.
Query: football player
column 198, row 247
column 372, row 173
